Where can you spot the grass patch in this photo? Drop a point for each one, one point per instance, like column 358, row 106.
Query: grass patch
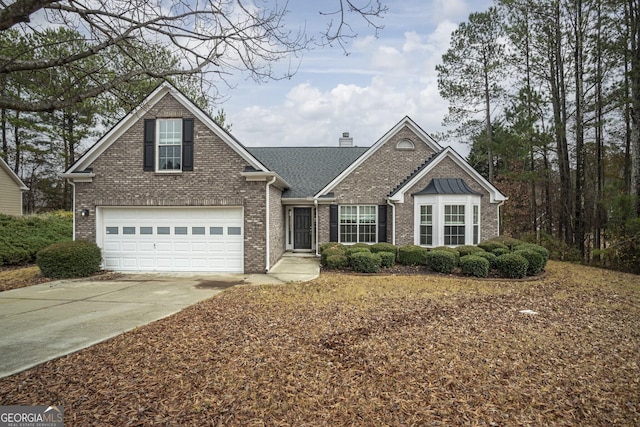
column 13, row 278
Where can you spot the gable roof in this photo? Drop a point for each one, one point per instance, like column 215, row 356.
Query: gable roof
column 397, row 195
column 446, row 186
column 149, row 102
column 405, row 122
column 307, row 169
column 5, row 167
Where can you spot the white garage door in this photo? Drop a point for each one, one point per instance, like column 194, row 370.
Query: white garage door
column 172, row 239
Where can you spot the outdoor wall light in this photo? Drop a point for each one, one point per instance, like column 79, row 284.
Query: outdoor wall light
column 84, row 212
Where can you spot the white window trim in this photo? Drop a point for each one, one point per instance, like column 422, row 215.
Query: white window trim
column 375, row 224
column 157, row 145
column 438, row 202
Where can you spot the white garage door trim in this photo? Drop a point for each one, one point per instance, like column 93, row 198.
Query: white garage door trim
column 171, row 239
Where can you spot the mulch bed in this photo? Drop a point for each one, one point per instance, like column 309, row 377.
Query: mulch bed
column 367, row 350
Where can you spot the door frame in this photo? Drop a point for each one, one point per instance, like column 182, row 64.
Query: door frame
column 290, row 231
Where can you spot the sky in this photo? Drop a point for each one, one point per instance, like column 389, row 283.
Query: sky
column 364, row 93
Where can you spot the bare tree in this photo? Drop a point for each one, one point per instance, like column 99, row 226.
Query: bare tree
column 212, row 39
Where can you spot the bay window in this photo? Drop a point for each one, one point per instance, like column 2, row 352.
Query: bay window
column 446, row 220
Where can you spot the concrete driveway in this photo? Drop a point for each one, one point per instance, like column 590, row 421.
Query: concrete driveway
column 42, row 322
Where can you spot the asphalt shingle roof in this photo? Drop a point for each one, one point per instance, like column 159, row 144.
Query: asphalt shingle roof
column 306, row 169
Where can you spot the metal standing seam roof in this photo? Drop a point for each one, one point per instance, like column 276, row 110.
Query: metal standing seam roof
column 447, row 186
column 306, row 169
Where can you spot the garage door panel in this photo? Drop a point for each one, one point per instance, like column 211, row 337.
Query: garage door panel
column 173, row 239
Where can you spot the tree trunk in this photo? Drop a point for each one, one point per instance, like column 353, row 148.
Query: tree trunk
column 579, row 228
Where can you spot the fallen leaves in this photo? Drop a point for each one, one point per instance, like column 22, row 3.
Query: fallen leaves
column 367, row 350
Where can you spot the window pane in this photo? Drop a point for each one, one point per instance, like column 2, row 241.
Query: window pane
column 180, row 231
column 112, row 230
column 164, row 230
column 169, row 144
column 453, row 235
column 233, row 231
column 197, row 230
column 215, row 231
column 146, row 230
column 348, row 233
column 128, row 230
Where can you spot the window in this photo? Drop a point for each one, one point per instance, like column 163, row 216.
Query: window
column 146, row 230
column 169, row 144
column 112, row 230
column 215, row 231
column 454, row 225
column 358, row 224
column 197, row 231
column 164, row 230
column 180, row 231
column 128, row 230
column 476, row 224
column 234, row 231
column 426, row 225
column 405, row 144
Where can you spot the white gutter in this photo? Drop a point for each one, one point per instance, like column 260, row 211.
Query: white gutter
column 393, row 222
column 267, row 233
column 315, row 202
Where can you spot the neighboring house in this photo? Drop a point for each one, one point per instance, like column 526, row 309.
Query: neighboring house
column 11, row 188
column 166, row 189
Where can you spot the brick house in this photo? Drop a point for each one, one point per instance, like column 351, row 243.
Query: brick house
column 166, row 189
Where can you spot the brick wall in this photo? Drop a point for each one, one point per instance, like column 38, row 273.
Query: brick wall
column 215, row 181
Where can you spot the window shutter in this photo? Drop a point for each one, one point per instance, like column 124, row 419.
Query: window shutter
column 382, row 223
column 187, row 144
column 149, row 145
column 333, row 223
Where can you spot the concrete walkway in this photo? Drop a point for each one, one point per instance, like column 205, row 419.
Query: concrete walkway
column 46, row 321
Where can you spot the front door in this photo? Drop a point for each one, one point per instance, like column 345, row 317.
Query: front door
column 302, row 228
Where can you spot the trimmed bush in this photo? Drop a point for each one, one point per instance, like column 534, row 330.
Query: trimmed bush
column 474, row 265
column 365, row 262
column 336, row 249
column 412, row 255
column 448, row 249
column 361, row 245
column 69, row 259
column 491, row 245
column 383, row 247
column 337, row 262
column 491, row 257
column 536, row 261
column 500, row 251
column 544, row 253
column 356, row 249
column 441, row 261
column 509, row 242
column 513, row 266
column 387, row 259
column 468, row 250
column 327, row 245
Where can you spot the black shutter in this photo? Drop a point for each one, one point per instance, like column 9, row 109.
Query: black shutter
column 382, row 223
column 149, row 145
column 187, row 144
column 333, row 223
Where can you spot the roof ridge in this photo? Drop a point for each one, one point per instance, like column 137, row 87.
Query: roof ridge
column 414, row 173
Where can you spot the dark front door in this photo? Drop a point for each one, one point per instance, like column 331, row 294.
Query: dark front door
column 301, row 228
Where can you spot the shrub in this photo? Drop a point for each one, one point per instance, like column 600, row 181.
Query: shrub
column 412, row 255
column 492, row 245
column 365, row 262
column 513, row 266
column 448, row 249
column 441, row 261
column 356, row 249
column 491, row 257
column 474, row 265
column 327, row 245
column 69, row 259
column 468, row 250
column 338, row 261
column 387, row 259
column 22, row 237
column 509, row 242
column 500, row 251
column 361, row 245
column 544, row 253
column 535, row 260
column 383, row 247
column 332, row 250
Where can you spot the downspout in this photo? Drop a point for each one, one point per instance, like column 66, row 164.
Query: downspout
column 73, row 206
column 499, row 222
column 393, row 222
column 267, row 233
column 315, row 203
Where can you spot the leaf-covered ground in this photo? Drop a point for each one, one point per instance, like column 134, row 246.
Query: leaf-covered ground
column 367, row 350
column 19, row 277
